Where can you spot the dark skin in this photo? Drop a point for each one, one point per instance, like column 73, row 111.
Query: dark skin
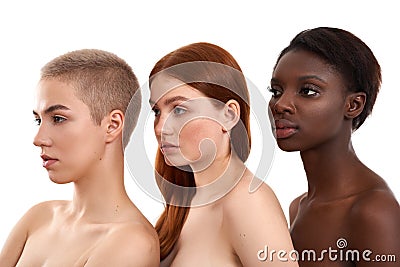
column 313, row 113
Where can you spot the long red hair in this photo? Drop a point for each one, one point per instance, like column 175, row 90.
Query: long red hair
column 227, row 82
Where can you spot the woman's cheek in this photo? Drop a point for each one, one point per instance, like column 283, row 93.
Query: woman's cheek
column 192, row 134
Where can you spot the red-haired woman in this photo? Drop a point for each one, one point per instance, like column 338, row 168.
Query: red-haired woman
column 202, row 123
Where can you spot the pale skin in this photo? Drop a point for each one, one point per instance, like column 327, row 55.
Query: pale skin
column 100, row 226
column 231, row 230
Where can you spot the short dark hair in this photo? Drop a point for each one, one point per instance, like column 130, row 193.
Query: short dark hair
column 349, row 56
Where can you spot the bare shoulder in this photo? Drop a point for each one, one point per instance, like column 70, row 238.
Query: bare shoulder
column 42, row 212
column 261, row 204
column 138, row 238
column 294, row 207
column 245, row 208
column 48, row 206
column 377, row 205
column 36, row 217
column 253, row 220
column 375, row 218
column 241, row 195
column 128, row 244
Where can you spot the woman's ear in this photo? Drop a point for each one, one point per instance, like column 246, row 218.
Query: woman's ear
column 114, row 124
column 355, row 103
column 231, row 114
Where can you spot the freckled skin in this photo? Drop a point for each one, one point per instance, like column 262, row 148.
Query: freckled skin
column 345, row 199
column 230, row 230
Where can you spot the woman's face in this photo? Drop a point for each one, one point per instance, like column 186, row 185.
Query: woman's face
column 187, row 124
column 308, row 102
column 71, row 143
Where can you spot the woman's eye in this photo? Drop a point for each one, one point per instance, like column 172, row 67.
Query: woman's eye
column 308, row 91
column 275, row 92
column 156, row 111
column 37, row 121
column 179, row 110
column 58, row 119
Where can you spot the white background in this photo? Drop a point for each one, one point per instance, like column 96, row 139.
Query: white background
column 34, row 32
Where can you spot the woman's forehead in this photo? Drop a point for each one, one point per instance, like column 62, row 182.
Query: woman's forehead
column 165, row 87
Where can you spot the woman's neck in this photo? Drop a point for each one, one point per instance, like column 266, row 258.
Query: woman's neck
column 101, row 193
column 330, row 171
column 218, row 179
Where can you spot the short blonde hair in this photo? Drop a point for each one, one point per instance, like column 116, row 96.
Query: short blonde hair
column 103, row 81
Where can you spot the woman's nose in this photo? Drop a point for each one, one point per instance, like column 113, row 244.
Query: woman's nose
column 163, row 126
column 42, row 138
column 283, row 104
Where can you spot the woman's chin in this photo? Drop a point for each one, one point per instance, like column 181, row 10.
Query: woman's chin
column 60, row 180
column 287, row 147
column 173, row 163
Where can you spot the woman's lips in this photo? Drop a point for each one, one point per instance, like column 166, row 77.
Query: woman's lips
column 47, row 161
column 285, row 128
column 168, row 147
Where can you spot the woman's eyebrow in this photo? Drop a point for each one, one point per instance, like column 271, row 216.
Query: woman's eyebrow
column 170, row 100
column 53, row 108
column 174, row 99
column 302, row 78
column 306, row 77
column 274, row 80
